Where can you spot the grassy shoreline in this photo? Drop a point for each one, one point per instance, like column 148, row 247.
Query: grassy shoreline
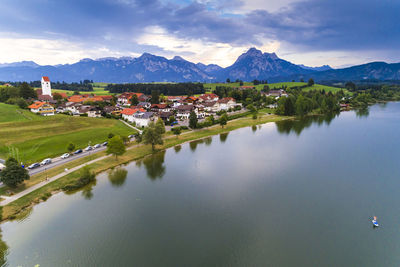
column 21, row 207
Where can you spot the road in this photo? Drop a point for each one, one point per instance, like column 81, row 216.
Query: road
column 59, row 161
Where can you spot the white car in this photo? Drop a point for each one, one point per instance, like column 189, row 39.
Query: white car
column 97, row 146
column 45, row 162
column 88, row 148
column 66, row 155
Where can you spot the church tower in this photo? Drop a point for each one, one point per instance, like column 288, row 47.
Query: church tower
column 46, row 86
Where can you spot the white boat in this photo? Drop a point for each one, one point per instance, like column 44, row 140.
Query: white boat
column 375, row 222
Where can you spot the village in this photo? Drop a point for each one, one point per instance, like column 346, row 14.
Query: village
column 136, row 108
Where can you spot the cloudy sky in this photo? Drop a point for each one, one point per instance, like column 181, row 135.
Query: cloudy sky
column 311, row 32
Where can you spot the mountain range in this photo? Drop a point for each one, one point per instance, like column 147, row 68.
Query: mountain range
column 249, row 66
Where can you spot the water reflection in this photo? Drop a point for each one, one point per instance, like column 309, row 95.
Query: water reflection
column 254, row 128
column 223, row 137
column 154, row 165
column 3, row 251
column 177, row 148
column 117, row 176
column 298, row 125
column 208, row 141
column 362, row 112
column 87, row 191
column 193, row 145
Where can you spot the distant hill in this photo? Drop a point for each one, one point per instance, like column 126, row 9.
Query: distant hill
column 249, row 66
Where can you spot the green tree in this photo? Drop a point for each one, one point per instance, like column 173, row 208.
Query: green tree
column 116, row 147
column 21, row 103
column 138, row 137
column 25, row 91
column 151, row 135
column 171, row 119
column 209, row 121
column 160, row 126
column 125, row 139
column 110, row 135
column 310, row 82
column 57, row 96
column 223, row 120
column 70, row 147
column 134, row 100
column 155, row 97
column 13, row 174
column 176, row 131
column 193, row 120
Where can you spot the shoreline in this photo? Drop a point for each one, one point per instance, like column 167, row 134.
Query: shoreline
column 22, row 206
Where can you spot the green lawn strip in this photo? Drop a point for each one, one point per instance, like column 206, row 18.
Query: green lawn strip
column 10, row 210
column 51, row 137
column 12, row 113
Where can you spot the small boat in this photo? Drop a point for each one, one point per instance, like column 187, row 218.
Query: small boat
column 375, row 222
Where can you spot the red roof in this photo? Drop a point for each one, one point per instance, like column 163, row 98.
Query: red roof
column 46, row 79
column 131, row 111
column 159, row 106
column 226, row 100
column 37, row 105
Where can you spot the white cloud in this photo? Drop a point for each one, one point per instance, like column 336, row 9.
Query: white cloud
column 197, row 50
column 49, row 52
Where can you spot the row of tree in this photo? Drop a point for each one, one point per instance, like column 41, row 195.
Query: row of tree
column 165, row 89
column 17, row 95
column 85, row 85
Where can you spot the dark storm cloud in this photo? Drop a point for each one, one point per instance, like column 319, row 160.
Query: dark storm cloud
column 309, row 24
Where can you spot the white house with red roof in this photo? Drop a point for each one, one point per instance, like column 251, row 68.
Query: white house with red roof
column 43, row 108
column 227, row 103
column 46, row 86
column 129, row 113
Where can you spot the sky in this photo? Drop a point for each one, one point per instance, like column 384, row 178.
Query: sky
column 311, row 32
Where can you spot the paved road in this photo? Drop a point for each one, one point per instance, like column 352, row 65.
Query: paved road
column 59, row 161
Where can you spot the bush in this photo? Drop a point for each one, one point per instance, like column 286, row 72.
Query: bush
column 87, row 177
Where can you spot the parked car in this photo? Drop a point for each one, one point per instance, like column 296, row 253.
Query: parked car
column 34, row 165
column 88, row 148
column 97, row 146
column 78, row 151
column 131, row 136
column 105, row 144
column 45, row 162
column 66, row 155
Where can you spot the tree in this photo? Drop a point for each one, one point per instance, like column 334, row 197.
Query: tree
column 70, row 147
column 134, row 100
column 223, row 120
column 116, row 147
column 228, row 80
column 25, row 91
column 310, row 82
column 209, row 121
column 13, row 174
column 138, row 137
column 21, row 103
column 152, row 136
column 155, row 97
column 193, row 120
column 125, row 139
column 57, row 96
column 160, row 126
column 171, row 119
column 110, row 135
column 176, row 131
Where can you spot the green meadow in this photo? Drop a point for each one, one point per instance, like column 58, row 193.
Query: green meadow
column 33, row 137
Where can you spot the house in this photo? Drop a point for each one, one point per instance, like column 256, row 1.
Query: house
column 46, row 86
column 190, row 99
column 145, row 105
column 183, row 111
column 43, row 108
column 113, row 110
column 208, row 98
column 160, row 108
column 94, row 112
column 277, row 93
column 125, row 98
column 142, row 119
column 226, row 103
column 211, row 107
column 128, row 113
column 165, row 115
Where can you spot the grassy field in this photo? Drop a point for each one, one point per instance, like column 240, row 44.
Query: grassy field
column 36, row 137
column 211, row 86
column 23, row 205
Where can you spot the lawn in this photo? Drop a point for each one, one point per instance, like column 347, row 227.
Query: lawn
column 211, row 86
column 44, row 137
column 11, row 113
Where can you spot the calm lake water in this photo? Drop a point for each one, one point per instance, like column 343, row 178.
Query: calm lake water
column 289, row 194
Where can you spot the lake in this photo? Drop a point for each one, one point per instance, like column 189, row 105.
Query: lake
column 287, row 194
